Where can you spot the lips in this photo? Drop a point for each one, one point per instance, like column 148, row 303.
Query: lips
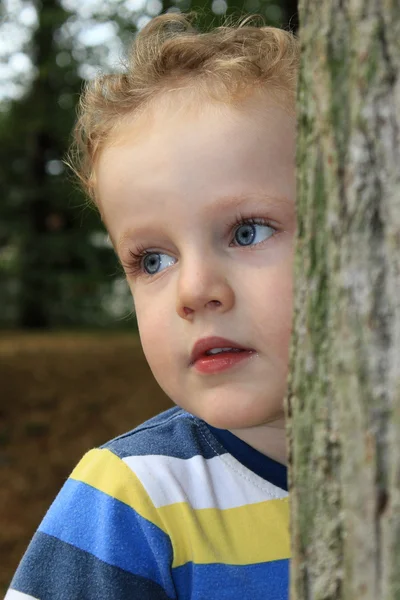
column 205, row 344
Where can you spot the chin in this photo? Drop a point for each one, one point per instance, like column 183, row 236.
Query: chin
column 239, row 415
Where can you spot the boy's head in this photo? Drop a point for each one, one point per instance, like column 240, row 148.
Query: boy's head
column 190, row 157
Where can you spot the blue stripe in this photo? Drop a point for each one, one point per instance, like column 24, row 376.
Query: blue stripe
column 110, row 530
column 53, row 570
column 263, row 581
column 174, row 433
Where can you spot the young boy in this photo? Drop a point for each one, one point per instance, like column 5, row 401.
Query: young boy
column 190, row 158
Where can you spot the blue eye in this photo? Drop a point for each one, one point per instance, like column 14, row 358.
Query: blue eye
column 154, row 262
column 248, row 233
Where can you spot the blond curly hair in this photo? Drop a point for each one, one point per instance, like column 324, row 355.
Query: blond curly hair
column 225, row 64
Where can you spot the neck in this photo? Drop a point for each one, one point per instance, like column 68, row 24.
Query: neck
column 269, row 439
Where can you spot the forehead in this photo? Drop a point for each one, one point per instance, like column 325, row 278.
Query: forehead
column 176, row 120
column 183, row 105
column 195, row 155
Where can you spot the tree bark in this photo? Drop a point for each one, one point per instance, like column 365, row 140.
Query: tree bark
column 343, row 403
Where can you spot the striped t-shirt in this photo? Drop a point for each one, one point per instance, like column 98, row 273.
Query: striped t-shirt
column 172, row 509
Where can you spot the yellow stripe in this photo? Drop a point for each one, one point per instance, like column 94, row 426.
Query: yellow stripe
column 237, row 536
column 104, row 471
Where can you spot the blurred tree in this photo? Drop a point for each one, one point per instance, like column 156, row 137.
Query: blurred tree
column 43, row 127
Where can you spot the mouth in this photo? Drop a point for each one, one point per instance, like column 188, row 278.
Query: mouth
column 215, row 354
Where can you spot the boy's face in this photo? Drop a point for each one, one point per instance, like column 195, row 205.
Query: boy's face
column 210, row 197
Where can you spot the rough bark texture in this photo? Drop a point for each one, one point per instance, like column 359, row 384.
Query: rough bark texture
column 343, row 404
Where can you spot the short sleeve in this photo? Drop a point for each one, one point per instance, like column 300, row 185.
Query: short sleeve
column 102, row 538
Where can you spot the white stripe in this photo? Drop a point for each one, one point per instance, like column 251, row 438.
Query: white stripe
column 218, row 482
column 14, row 595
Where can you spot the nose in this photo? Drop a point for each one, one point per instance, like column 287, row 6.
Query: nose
column 203, row 286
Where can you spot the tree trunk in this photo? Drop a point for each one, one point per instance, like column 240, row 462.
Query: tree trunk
column 38, row 264
column 343, row 403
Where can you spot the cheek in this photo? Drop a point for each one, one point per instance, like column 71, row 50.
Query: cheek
column 274, row 309
column 153, row 332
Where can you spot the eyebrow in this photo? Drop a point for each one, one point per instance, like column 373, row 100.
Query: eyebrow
column 221, row 204
column 224, row 202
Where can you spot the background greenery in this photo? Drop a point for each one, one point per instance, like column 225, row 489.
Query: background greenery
column 57, row 267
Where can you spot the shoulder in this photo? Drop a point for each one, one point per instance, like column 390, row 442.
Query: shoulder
column 174, row 433
column 169, row 459
column 133, row 467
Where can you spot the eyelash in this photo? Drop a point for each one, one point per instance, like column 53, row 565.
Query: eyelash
column 134, row 265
